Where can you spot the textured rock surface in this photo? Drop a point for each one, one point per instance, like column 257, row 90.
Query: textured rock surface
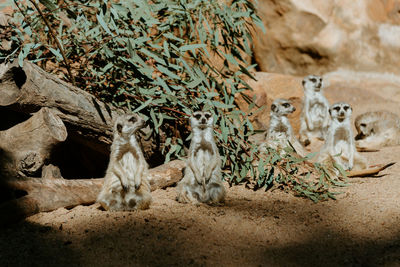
column 350, row 86
column 310, row 36
column 266, row 88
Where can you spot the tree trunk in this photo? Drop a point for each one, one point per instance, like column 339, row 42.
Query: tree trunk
column 51, row 172
column 26, row 146
column 30, row 88
column 370, row 171
column 50, row 194
column 166, row 175
column 89, row 121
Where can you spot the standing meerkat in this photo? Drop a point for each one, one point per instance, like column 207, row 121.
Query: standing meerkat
column 126, row 185
column 280, row 131
column 202, row 181
column 314, row 119
column 377, row 129
column 339, row 143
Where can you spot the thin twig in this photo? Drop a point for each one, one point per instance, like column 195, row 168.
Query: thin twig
column 20, row 10
column 174, row 110
column 66, row 63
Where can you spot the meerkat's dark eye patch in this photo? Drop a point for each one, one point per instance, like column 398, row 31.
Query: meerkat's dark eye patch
column 313, row 80
column 207, row 115
column 197, row 116
column 363, row 125
column 119, row 128
column 133, row 119
column 346, row 108
column 336, row 108
column 286, row 105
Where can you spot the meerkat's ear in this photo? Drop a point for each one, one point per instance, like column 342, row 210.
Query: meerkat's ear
column 330, row 112
column 273, row 107
column 119, row 128
column 303, row 82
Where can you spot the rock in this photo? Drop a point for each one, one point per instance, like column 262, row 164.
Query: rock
column 266, row 88
column 354, row 87
column 5, row 34
column 3, row 68
column 308, row 36
column 7, row 7
column 3, row 19
column 383, row 85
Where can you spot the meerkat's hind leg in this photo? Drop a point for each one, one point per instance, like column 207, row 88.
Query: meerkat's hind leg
column 111, row 201
column 139, row 198
column 216, row 193
column 303, row 136
column 322, row 134
column 138, row 201
column 388, row 137
column 370, row 142
column 187, row 194
column 360, row 162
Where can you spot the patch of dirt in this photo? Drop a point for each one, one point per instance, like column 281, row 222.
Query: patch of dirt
column 273, row 228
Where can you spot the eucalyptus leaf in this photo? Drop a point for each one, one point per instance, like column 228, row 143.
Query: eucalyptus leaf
column 159, row 58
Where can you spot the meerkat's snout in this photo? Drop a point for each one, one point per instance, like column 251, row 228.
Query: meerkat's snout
column 319, row 84
column 201, row 119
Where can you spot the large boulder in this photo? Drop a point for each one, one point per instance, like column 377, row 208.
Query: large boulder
column 266, row 88
column 364, row 91
column 310, row 36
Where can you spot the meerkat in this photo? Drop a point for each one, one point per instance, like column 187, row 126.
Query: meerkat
column 339, row 144
column 126, row 185
column 280, row 131
column 377, row 129
column 202, row 181
column 314, row 118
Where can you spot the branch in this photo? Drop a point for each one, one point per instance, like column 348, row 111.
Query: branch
column 67, row 65
column 50, row 194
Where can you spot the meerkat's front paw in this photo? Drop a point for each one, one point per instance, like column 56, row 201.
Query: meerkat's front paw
column 137, row 183
column 125, row 185
column 349, row 167
column 116, row 187
column 361, row 144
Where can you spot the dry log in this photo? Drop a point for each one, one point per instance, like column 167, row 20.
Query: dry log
column 50, row 194
column 166, row 175
column 51, row 172
column 27, row 145
column 371, row 171
column 30, row 88
column 89, row 121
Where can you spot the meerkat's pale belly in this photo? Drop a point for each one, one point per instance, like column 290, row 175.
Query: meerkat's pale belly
column 128, row 163
column 341, row 148
column 202, row 159
column 342, row 141
column 318, row 113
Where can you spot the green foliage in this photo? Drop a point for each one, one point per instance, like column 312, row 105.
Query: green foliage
column 159, row 58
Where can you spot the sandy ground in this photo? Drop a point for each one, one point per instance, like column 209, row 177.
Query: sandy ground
column 273, row 228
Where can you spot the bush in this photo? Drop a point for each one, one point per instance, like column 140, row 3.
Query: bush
column 160, row 58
